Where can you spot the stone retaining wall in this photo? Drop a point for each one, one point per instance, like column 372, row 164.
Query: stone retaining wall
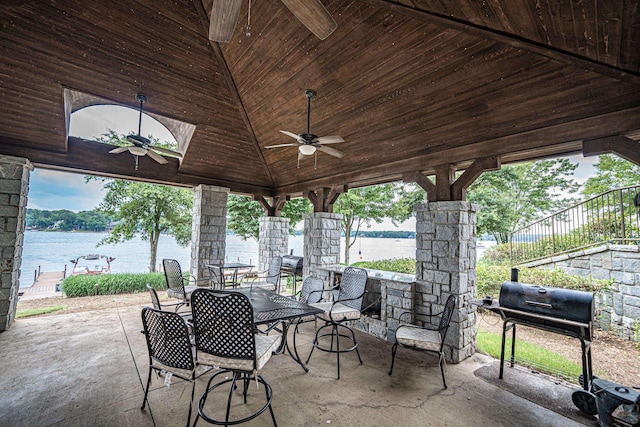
column 617, row 309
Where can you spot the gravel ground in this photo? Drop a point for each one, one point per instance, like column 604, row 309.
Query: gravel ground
column 614, row 359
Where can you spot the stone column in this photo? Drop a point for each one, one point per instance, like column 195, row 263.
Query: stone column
column 321, row 243
column 445, row 265
column 14, row 186
column 273, row 241
column 209, row 228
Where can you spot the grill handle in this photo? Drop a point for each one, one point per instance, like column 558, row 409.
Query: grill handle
column 539, row 304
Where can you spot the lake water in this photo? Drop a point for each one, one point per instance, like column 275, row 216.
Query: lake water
column 51, row 251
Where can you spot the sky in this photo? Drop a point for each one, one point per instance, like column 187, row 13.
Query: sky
column 52, row 190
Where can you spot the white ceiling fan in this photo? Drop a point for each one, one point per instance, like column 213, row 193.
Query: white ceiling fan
column 141, row 145
column 308, row 143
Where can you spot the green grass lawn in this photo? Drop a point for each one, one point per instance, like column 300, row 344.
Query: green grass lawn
column 38, row 311
column 530, row 355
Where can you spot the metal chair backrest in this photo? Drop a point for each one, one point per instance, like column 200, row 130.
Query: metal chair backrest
column 223, row 324
column 445, row 320
column 216, row 277
column 167, row 338
column 173, row 275
column 309, row 285
column 353, row 285
column 154, row 297
column 273, row 274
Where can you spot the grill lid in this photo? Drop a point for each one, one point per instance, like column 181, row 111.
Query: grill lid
column 292, row 262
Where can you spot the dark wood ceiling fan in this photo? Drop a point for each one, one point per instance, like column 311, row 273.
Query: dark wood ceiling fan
column 311, row 13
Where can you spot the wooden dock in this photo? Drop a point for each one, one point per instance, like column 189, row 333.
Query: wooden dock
column 44, row 287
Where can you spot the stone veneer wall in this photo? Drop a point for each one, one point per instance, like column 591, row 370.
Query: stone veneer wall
column 617, row 309
column 273, row 240
column 14, row 187
column 321, row 243
column 209, row 228
column 445, row 265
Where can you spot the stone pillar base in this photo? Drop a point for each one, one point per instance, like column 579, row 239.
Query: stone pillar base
column 321, row 243
column 446, row 265
column 209, row 228
column 14, row 187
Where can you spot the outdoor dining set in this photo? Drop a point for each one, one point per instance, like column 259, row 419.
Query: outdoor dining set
column 230, row 327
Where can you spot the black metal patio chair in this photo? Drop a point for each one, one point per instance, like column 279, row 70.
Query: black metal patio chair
column 268, row 279
column 425, row 338
column 177, row 284
column 170, row 350
column 344, row 308
column 224, row 334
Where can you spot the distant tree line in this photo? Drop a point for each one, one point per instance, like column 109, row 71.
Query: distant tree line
column 65, row 220
column 389, row 234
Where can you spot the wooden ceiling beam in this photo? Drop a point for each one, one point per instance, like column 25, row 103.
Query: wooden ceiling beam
column 424, row 182
column 624, row 147
column 545, row 50
column 323, row 199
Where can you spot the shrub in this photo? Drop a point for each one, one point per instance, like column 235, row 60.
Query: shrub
column 489, row 278
column 397, row 265
column 109, row 284
column 497, row 255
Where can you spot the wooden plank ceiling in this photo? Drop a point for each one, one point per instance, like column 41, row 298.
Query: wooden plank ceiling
column 409, row 85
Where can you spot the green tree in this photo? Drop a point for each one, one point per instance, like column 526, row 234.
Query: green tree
column 518, row 194
column 611, row 172
column 150, row 209
column 360, row 206
column 244, row 215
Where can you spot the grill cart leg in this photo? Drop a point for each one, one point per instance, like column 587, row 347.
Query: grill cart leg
column 505, row 328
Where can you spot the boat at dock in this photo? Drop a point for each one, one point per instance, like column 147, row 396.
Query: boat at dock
column 91, row 264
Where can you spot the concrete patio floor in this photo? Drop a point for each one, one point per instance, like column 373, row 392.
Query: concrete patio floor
column 88, row 369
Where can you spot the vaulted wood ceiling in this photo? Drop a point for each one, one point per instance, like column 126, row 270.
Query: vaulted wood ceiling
column 409, row 85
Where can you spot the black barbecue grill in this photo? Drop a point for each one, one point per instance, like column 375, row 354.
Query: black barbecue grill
column 292, row 266
column 563, row 311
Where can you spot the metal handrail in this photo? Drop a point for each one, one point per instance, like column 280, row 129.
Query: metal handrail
column 610, row 217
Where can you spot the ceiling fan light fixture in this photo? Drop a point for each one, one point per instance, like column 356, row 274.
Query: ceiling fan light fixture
column 138, row 151
column 307, row 150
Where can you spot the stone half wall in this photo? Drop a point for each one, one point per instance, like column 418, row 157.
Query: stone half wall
column 14, row 187
column 617, row 309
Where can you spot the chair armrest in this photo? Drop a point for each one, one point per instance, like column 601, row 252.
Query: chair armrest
column 322, row 291
column 350, row 299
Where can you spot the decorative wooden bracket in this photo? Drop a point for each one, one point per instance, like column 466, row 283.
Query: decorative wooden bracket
column 624, row 147
column 324, row 198
column 447, row 187
column 275, row 207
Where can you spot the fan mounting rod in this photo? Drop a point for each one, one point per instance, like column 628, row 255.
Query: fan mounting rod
column 310, row 94
column 141, row 97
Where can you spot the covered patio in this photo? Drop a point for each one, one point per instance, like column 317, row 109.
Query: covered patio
column 420, row 91
column 89, row 369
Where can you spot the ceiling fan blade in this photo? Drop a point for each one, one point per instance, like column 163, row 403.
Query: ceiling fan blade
column 222, row 22
column 166, row 151
column 119, row 150
column 331, row 151
column 281, row 145
column 157, row 157
column 291, row 134
column 313, row 15
column 333, row 139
